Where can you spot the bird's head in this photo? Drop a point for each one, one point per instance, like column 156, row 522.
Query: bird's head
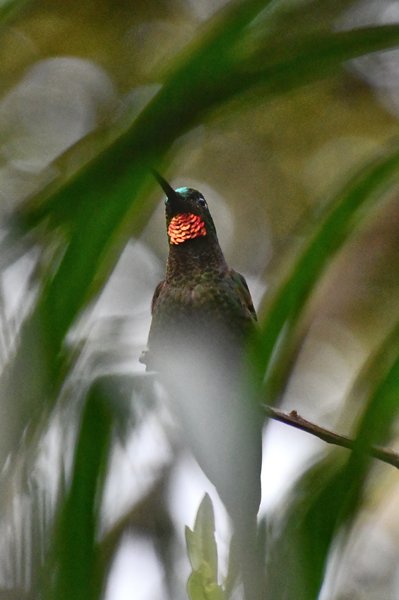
column 187, row 214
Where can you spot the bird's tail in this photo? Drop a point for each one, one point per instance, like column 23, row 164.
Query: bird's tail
column 248, row 558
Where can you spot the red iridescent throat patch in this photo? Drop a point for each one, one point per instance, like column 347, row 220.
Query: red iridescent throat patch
column 185, row 227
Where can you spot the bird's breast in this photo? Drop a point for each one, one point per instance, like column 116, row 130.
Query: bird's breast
column 200, row 308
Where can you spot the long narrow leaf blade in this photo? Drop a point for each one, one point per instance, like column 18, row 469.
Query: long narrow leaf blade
column 289, row 298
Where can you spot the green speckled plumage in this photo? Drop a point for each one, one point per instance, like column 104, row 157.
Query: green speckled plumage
column 201, row 298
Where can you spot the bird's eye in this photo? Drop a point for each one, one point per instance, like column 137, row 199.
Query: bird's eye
column 201, row 201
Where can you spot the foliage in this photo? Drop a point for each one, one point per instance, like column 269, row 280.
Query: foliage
column 245, row 54
column 202, row 552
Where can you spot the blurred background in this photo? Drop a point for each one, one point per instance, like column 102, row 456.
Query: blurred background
column 91, row 462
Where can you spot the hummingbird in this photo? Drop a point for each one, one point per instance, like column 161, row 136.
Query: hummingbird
column 202, row 317
column 200, row 294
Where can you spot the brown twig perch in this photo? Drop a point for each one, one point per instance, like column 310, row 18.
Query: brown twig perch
column 295, row 420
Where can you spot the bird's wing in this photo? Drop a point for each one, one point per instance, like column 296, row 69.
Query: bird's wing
column 243, row 292
column 145, row 356
column 156, row 295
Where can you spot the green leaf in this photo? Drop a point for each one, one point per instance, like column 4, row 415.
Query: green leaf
column 380, row 397
column 8, row 8
column 305, row 531
column 202, row 553
column 326, row 499
column 287, row 62
column 201, row 544
column 286, row 304
column 198, row 587
column 74, row 557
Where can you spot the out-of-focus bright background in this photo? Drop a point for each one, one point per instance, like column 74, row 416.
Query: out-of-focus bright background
column 277, row 113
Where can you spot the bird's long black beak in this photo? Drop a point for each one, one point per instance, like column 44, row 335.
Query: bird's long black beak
column 171, row 194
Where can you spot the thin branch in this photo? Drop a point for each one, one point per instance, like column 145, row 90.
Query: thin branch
column 295, row 420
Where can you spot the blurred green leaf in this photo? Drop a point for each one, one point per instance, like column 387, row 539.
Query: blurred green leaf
column 328, row 496
column 285, row 305
column 209, row 73
column 9, row 7
column 290, row 61
column 199, row 587
column 305, row 530
column 74, row 554
column 340, row 496
column 378, row 417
